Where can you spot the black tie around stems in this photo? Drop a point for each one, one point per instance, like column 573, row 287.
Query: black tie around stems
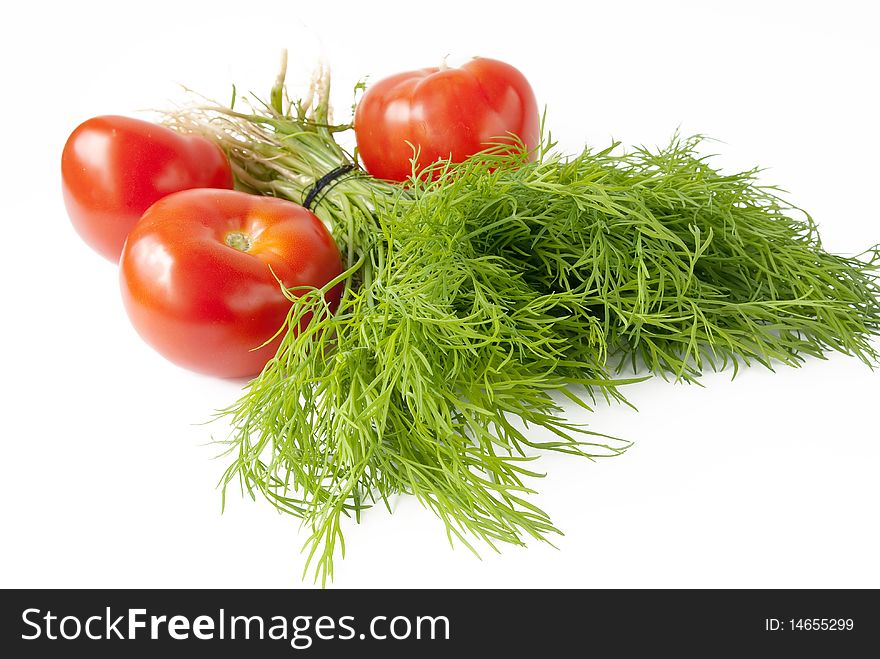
column 325, row 181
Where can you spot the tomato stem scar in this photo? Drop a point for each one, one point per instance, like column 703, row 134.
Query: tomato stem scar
column 239, row 240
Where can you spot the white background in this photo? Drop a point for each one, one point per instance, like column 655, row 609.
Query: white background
column 767, row 481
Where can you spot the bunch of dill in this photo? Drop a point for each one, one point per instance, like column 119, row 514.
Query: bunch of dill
column 479, row 293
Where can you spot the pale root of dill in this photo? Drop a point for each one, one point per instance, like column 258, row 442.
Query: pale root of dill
column 477, row 293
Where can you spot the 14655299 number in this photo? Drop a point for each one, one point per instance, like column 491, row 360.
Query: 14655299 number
column 821, row 624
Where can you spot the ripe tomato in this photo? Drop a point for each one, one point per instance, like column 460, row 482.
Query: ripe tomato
column 114, row 168
column 445, row 113
column 196, row 278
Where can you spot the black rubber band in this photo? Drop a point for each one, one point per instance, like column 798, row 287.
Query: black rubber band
column 324, row 181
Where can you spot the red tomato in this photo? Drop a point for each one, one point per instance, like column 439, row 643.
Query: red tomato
column 114, row 168
column 445, row 113
column 196, row 279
